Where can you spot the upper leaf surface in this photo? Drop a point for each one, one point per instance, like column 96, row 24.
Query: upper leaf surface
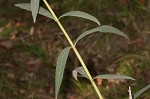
column 42, row 11
column 81, row 71
column 104, row 29
column 61, row 62
column 114, row 76
column 46, row 13
column 141, row 91
column 34, row 8
column 81, row 15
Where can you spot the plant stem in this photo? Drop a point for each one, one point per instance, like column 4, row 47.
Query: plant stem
column 74, row 49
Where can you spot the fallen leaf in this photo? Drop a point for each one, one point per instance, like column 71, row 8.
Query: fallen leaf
column 13, row 35
column 31, row 31
column 124, row 2
column 11, row 75
column 9, row 25
column 1, row 29
column 141, row 1
column 22, row 91
column 18, row 24
column 33, row 65
column 6, row 43
column 147, row 76
column 99, row 81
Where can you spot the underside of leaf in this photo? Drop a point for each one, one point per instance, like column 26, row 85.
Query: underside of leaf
column 81, row 71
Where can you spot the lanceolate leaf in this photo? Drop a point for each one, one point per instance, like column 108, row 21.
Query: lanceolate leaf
column 61, row 62
column 81, row 15
column 81, row 71
column 25, row 6
column 141, row 91
column 45, row 12
column 34, row 8
column 114, row 76
column 42, row 11
column 104, row 29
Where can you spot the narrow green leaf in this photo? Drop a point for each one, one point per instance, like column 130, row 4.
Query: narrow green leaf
column 104, row 29
column 42, row 11
column 141, row 91
column 114, row 76
column 61, row 62
column 46, row 13
column 35, row 8
column 25, row 6
column 81, row 71
column 81, row 15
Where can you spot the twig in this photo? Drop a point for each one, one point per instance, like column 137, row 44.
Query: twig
column 130, row 94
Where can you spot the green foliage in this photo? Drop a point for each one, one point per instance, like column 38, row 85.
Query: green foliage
column 81, row 15
column 81, row 71
column 61, row 62
column 125, row 68
column 6, row 32
column 113, row 76
column 141, row 91
column 36, row 50
column 5, row 85
column 84, row 90
column 105, row 29
column 34, row 8
column 42, row 11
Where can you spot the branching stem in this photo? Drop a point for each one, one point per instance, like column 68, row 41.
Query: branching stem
column 74, row 49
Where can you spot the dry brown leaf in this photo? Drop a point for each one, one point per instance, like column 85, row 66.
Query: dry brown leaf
column 1, row 29
column 22, row 91
column 9, row 25
column 11, row 75
column 6, row 43
column 13, row 35
column 33, row 65
column 31, row 31
column 9, row 65
column 141, row 1
column 124, row 2
column 99, row 81
column 18, row 24
column 147, row 76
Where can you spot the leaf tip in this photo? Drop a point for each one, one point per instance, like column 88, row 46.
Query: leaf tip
column 133, row 79
column 34, row 20
column 127, row 37
column 99, row 23
column 16, row 4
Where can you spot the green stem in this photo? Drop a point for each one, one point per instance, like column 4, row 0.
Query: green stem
column 75, row 50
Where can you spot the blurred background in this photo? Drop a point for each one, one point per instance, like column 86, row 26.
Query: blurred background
column 28, row 51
